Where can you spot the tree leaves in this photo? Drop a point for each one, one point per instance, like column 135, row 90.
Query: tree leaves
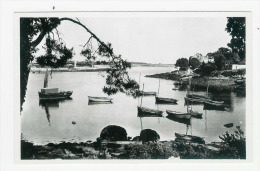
column 182, row 62
column 236, row 27
column 57, row 54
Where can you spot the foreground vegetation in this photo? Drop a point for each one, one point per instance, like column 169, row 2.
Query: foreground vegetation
column 233, row 146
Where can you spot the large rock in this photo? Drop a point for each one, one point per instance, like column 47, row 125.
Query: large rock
column 149, row 135
column 113, row 133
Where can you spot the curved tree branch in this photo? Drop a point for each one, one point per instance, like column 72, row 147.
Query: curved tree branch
column 45, row 31
column 92, row 34
column 40, row 37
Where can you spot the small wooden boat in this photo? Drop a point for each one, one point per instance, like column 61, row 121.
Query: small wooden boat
column 212, row 105
column 146, row 93
column 52, row 93
column 193, row 101
column 240, row 81
column 99, row 99
column 229, row 125
column 175, row 88
column 182, row 121
column 196, row 96
column 57, row 95
column 179, row 83
column 190, row 138
column 217, row 102
column 214, row 146
column 145, row 115
column 200, row 101
column 147, row 111
column 179, row 115
column 196, row 114
column 165, row 100
column 99, row 103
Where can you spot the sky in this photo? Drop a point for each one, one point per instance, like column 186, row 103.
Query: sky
column 150, row 39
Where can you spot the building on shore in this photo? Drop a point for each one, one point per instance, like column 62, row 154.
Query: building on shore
column 237, row 66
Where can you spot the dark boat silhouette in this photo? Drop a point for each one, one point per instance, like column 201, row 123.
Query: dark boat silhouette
column 52, row 93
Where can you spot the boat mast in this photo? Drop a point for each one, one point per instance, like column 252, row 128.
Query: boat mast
column 188, row 90
column 208, row 89
column 139, row 88
column 139, row 79
column 141, row 123
column 159, row 87
column 45, row 84
column 142, row 96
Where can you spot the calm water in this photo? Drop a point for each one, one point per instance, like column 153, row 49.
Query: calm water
column 42, row 123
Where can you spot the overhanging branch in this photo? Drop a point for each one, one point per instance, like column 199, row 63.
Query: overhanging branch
column 92, row 34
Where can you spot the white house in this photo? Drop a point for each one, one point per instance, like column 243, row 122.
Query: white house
column 237, row 66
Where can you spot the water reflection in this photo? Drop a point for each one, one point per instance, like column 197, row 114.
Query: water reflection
column 213, row 121
column 143, row 115
column 48, row 104
column 240, row 91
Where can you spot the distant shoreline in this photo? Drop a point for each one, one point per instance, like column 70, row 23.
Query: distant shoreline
column 96, row 68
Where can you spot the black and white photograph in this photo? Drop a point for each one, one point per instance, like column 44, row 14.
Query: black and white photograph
column 133, row 85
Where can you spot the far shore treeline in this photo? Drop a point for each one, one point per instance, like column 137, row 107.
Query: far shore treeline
column 223, row 58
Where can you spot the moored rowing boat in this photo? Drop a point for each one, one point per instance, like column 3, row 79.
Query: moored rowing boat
column 147, row 111
column 190, row 138
column 165, row 100
column 99, row 99
column 179, row 115
column 146, row 93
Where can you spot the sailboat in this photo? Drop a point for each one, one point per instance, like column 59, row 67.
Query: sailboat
column 179, row 115
column 143, row 111
column 145, row 93
column 52, row 93
column 164, row 100
column 214, row 105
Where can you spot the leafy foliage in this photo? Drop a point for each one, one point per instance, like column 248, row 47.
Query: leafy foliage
column 104, row 51
column 206, row 69
column 29, row 29
column 57, row 54
column 194, row 62
column 182, row 62
column 236, row 143
column 236, row 27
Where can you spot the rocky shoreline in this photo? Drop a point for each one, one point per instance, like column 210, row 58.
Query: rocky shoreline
column 115, row 145
column 200, row 83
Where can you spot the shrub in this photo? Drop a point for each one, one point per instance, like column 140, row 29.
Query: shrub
column 236, row 144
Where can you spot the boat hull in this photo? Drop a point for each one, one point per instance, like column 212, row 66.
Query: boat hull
column 142, row 111
column 240, row 82
column 182, row 121
column 190, row 138
column 193, row 101
column 144, row 93
column 178, row 114
column 99, row 99
column 59, row 95
column 214, row 106
column 196, row 115
column 196, row 96
column 165, row 100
